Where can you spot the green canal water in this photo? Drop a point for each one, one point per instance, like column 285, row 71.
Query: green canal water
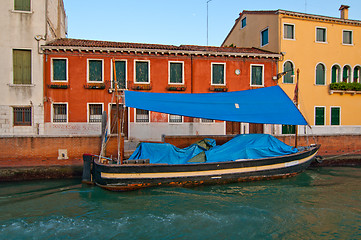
column 323, row 203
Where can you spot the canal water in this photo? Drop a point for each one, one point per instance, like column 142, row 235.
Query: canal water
column 322, row 203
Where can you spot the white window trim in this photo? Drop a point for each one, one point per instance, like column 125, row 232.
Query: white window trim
column 52, row 70
column 331, row 115
column 12, row 84
column 339, row 77
column 351, row 73
column 67, row 112
column 250, row 75
column 87, row 72
column 260, row 33
column 347, row 44
column 242, row 21
column 126, row 71
column 135, row 117
column 224, row 77
column 88, row 111
column 182, row 62
column 294, row 32
column 324, row 116
column 22, row 11
column 316, row 74
column 175, row 122
column 135, row 71
column 317, row 27
column 283, row 68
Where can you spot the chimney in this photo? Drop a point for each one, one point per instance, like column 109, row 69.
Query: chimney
column 344, row 11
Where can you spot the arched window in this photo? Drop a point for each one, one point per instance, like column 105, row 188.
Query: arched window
column 320, row 74
column 288, row 67
column 335, row 74
column 356, row 74
column 346, row 74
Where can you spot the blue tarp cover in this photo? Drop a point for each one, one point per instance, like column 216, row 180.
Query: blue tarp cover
column 269, row 105
column 244, row 146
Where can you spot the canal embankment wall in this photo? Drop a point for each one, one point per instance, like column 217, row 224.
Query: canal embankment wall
column 42, row 157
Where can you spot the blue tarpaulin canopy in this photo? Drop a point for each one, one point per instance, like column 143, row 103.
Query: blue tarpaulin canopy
column 269, row 105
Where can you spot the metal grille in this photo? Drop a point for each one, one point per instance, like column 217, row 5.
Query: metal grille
column 203, row 120
column 175, row 118
column 142, row 115
column 60, row 113
column 95, row 112
column 22, row 116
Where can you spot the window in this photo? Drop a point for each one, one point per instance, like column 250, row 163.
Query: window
column 22, row 66
column 256, row 75
column 335, row 115
column 264, row 37
column 321, row 35
column 319, row 115
column 141, row 72
column 22, row 116
column 95, row 112
column 335, row 71
column 289, row 31
column 22, row 5
column 320, row 74
column 60, row 112
column 356, row 74
column 288, row 129
column 176, row 73
column 95, row 70
column 218, row 74
column 288, row 68
column 346, row 74
column 347, row 37
column 59, row 70
column 121, row 74
column 243, row 22
column 204, row 120
column 175, row 118
column 142, row 116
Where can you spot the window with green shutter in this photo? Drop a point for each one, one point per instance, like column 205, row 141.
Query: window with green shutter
column 356, row 74
column 256, row 75
column 95, row 70
column 335, row 115
column 346, row 73
column 176, row 72
column 120, row 71
column 320, row 116
column 320, row 74
column 59, row 70
column 335, row 74
column 288, row 68
column 141, row 72
column 218, row 74
column 22, row 5
column 22, row 66
column 288, row 129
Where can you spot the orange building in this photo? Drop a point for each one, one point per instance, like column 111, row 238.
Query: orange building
column 79, row 84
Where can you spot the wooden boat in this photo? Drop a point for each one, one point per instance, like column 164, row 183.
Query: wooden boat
column 267, row 105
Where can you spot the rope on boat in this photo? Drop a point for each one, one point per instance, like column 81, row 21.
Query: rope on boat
column 336, row 156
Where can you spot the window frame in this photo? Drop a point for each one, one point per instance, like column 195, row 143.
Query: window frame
column 325, row 77
column 319, row 28
column 224, row 75
column 136, row 119
column 206, row 121
column 23, row 123
column 338, row 77
column 135, row 71
column 53, row 114
column 324, row 115
column 256, row 65
column 283, row 68
column 113, row 61
column 349, row 78
column 31, row 67
column 359, row 73
column 293, row 31
column 88, row 112
column 169, row 72
column 261, row 36
column 339, row 115
column 351, row 38
column 243, row 20
column 52, row 70
column 23, row 11
column 88, row 69
column 169, row 119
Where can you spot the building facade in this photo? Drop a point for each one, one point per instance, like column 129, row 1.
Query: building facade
column 79, row 82
column 25, row 24
column 327, row 52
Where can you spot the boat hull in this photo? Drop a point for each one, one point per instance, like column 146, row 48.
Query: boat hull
column 128, row 177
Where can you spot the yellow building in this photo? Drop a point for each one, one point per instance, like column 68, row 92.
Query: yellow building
column 326, row 50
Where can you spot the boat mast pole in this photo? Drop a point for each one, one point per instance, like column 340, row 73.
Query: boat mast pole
column 296, row 102
column 119, row 157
